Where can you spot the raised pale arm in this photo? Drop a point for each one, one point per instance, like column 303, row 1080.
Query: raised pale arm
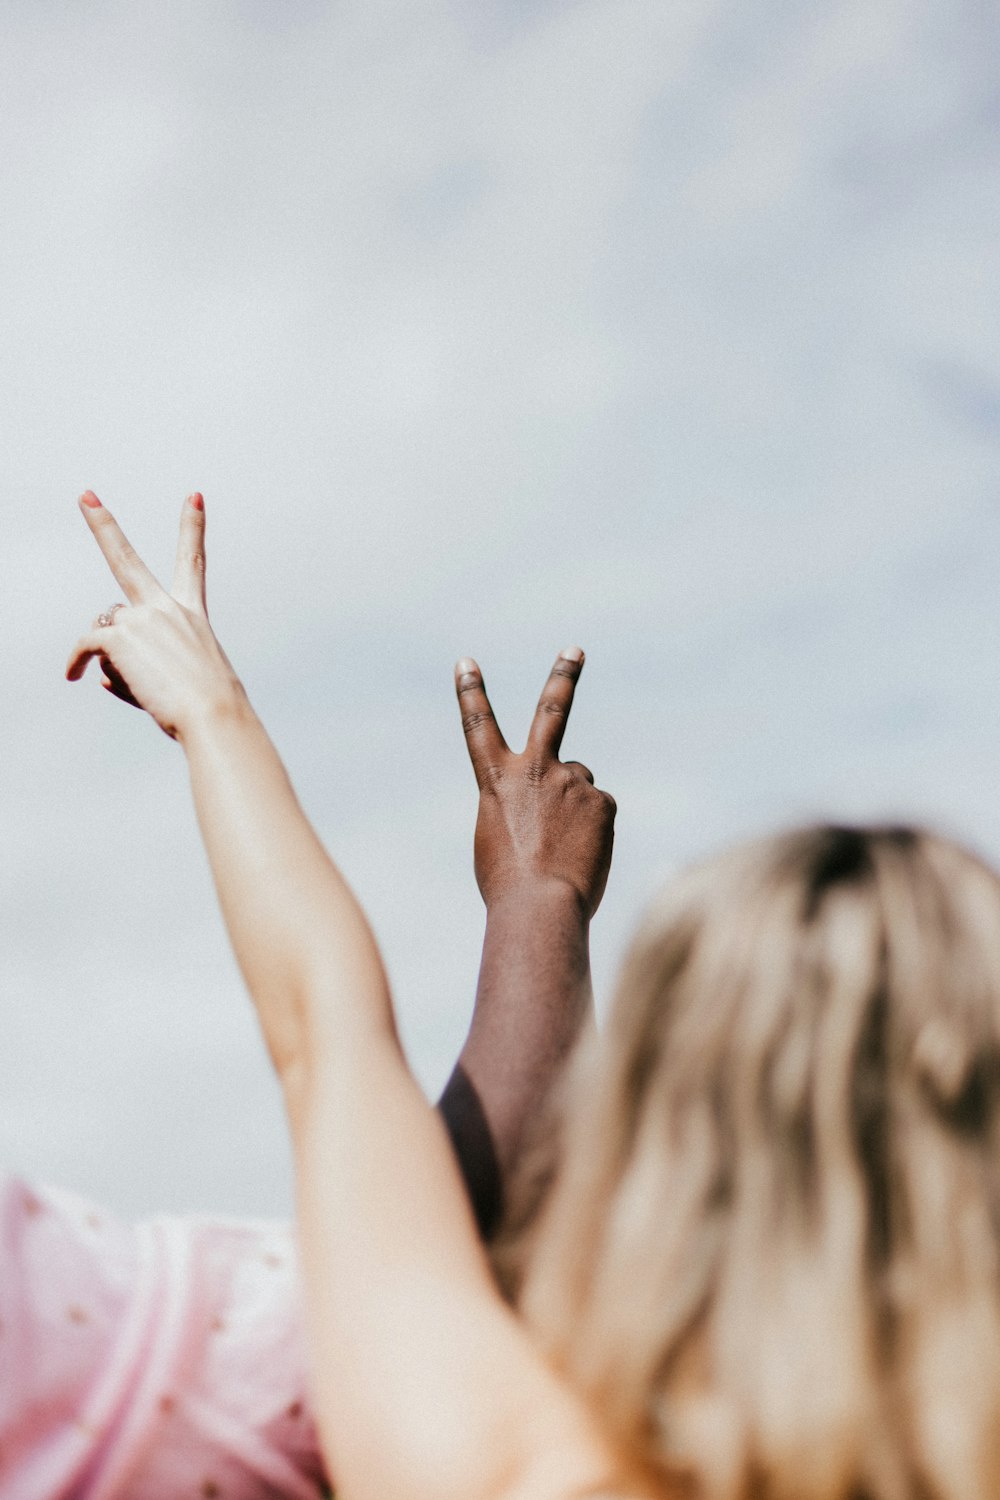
column 425, row 1385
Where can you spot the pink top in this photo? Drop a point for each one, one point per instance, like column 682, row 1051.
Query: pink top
column 149, row 1362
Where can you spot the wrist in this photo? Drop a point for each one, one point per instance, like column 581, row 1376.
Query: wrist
column 548, row 895
column 226, row 706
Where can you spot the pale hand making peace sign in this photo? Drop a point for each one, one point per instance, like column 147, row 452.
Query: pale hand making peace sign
column 159, row 651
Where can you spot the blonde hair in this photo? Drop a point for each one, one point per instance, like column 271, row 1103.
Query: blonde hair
column 761, row 1232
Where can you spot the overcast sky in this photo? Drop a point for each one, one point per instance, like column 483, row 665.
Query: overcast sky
column 665, row 326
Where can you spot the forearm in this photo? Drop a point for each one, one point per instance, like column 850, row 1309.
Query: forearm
column 533, row 996
column 404, row 1316
column 398, row 1291
column 301, row 939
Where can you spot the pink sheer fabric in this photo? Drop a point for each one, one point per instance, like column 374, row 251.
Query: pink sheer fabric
column 149, row 1362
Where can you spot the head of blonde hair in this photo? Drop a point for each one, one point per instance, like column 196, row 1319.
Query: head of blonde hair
column 762, row 1230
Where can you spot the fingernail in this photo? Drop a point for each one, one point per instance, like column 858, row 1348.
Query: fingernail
column 197, row 500
column 572, row 653
column 89, row 499
column 465, row 666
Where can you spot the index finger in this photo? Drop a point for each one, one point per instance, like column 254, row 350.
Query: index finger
column 549, row 724
column 137, row 582
column 482, row 732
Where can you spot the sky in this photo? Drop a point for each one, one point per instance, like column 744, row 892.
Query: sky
column 487, row 328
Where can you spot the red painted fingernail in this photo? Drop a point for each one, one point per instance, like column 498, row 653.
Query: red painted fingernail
column 572, row 653
column 89, row 499
column 197, row 500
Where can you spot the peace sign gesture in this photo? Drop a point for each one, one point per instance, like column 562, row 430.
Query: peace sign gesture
column 158, row 651
column 540, row 819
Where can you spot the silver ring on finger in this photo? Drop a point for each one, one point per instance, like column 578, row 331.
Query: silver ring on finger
column 108, row 616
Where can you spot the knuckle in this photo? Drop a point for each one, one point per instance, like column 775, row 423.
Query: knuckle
column 569, row 670
column 535, row 771
column 553, row 706
column 475, row 719
column 198, row 561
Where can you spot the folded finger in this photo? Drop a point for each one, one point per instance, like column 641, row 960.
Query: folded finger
column 580, row 769
column 115, row 692
column 87, row 647
column 131, row 572
column 188, row 586
column 115, row 683
column 549, row 724
column 482, row 732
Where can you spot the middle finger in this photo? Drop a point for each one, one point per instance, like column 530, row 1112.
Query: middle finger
column 549, row 724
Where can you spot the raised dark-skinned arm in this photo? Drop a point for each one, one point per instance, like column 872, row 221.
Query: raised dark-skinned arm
column 543, row 845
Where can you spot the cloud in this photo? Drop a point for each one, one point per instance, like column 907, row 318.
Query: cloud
column 661, row 328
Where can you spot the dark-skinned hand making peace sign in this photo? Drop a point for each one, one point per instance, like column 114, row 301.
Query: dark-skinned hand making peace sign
column 540, row 819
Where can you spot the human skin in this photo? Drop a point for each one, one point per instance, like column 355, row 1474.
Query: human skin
column 533, row 992
column 542, row 854
column 425, row 1383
